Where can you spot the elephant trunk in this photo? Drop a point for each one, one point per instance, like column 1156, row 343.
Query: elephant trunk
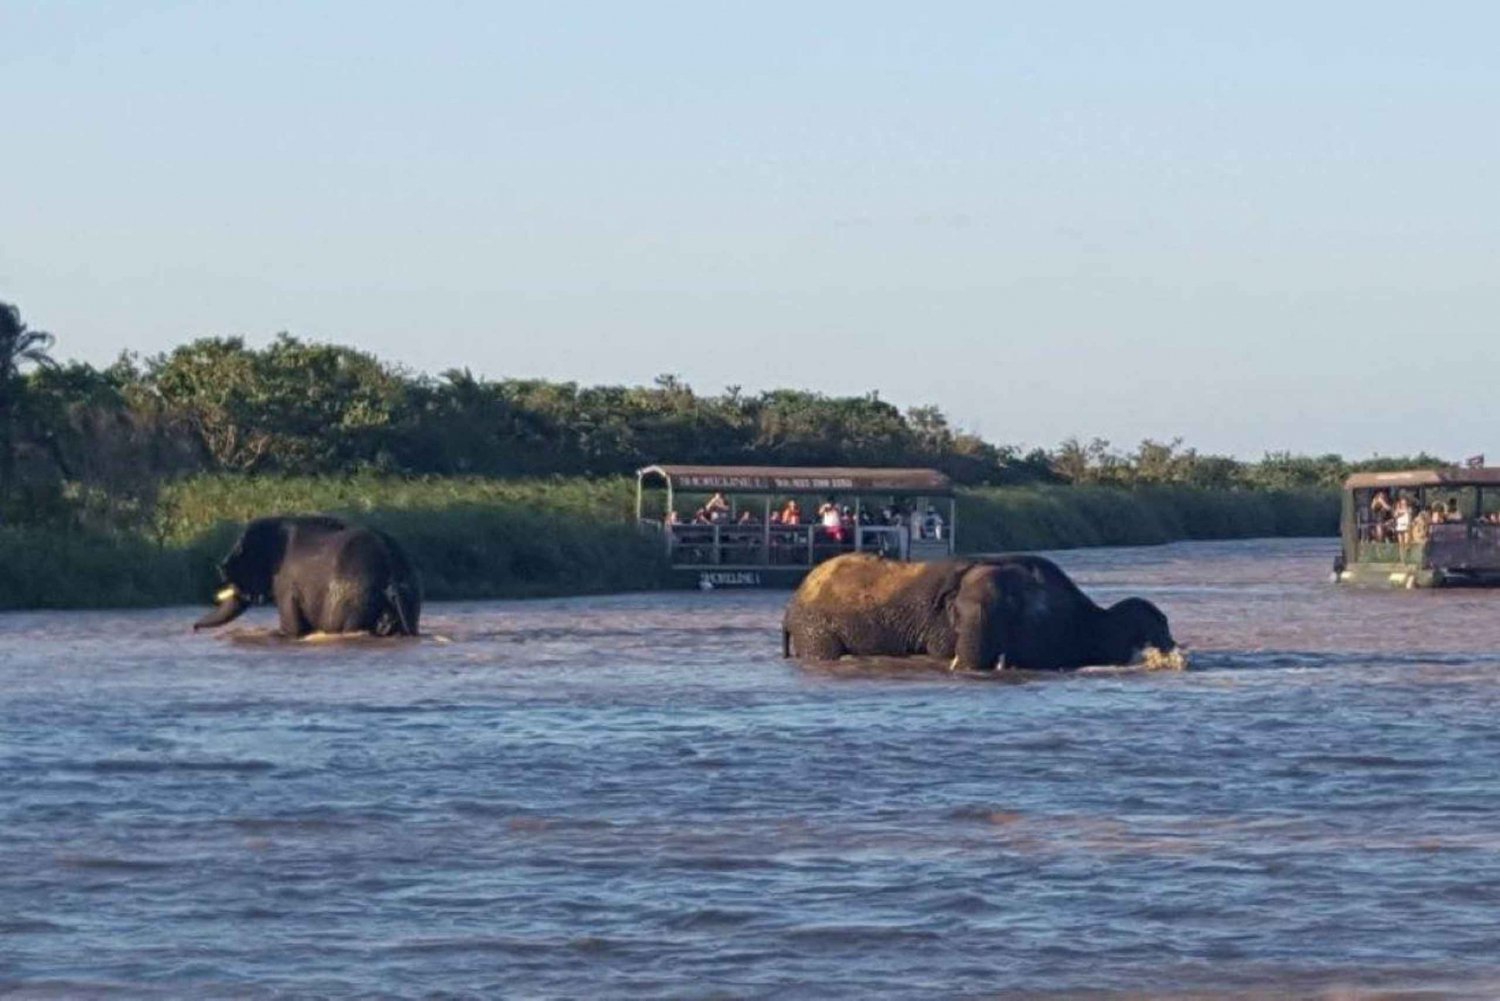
column 231, row 605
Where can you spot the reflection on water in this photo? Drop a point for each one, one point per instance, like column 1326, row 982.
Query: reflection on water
column 636, row 792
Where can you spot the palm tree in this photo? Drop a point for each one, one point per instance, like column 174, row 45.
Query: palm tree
column 18, row 347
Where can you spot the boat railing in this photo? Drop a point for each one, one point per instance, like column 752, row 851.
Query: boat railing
column 1469, row 545
column 1466, row 543
column 757, row 544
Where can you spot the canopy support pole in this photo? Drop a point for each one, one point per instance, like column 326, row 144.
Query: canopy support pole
column 765, row 525
column 667, row 520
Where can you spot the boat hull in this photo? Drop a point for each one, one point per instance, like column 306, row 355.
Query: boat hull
column 1407, row 575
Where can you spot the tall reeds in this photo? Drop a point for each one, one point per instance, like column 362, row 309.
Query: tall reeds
column 480, row 538
column 1027, row 518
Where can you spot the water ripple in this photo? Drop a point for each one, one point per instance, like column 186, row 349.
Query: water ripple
column 635, row 795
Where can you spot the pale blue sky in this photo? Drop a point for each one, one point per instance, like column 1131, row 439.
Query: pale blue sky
column 1259, row 227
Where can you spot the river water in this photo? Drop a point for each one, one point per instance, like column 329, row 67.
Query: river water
column 635, row 796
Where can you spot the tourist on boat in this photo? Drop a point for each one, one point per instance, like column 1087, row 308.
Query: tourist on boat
column 1403, row 515
column 717, row 503
column 1403, row 525
column 832, row 520
column 1453, row 516
column 1381, row 514
column 791, row 514
column 1421, row 528
column 673, row 518
column 747, row 517
column 701, row 517
column 932, row 526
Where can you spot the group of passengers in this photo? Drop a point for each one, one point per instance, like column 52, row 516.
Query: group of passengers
column 716, row 512
column 838, row 522
column 1409, row 524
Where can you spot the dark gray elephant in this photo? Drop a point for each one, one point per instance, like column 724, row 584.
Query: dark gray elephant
column 323, row 576
column 1010, row 611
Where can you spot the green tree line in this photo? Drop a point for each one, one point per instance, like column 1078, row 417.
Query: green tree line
column 89, row 445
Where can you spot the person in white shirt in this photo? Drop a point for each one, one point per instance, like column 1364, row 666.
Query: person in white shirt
column 832, row 521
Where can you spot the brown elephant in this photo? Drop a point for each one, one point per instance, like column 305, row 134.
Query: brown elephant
column 982, row 613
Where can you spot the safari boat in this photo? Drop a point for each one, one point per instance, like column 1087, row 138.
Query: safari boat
column 1421, row 528
column 767, row 526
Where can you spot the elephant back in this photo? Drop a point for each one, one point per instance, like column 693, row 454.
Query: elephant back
column 863, row 580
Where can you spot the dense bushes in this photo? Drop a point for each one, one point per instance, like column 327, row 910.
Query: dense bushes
column 295, row 408
column 98, row 443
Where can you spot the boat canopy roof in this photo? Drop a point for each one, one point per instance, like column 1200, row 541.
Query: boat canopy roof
column 803, row 479
column 1452, row 476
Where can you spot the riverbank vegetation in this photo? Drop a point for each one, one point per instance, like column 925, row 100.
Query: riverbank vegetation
column 471, row 538
column 486, row 538
column 122, row 485
column 1053, row 517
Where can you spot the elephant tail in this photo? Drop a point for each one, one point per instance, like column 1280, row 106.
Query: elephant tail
column 786, row 642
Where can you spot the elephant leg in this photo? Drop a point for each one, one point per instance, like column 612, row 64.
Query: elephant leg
column 351, row 605
column 357, row 619
column 977, row 622
column 817, row 644
column 292, row 623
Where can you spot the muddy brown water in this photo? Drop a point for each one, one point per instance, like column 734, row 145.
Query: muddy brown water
column 635, row 796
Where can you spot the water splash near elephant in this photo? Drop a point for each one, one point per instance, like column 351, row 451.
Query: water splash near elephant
column 272, row 638
column 1156, row 659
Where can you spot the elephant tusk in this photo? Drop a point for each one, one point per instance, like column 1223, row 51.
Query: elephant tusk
column 227, row 593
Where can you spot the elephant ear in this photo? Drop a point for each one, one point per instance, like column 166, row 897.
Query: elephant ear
column 1024, row 595
column 257, row 557
column 1035, row 602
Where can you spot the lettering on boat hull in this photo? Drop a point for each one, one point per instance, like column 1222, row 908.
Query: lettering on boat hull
column 729, row 578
